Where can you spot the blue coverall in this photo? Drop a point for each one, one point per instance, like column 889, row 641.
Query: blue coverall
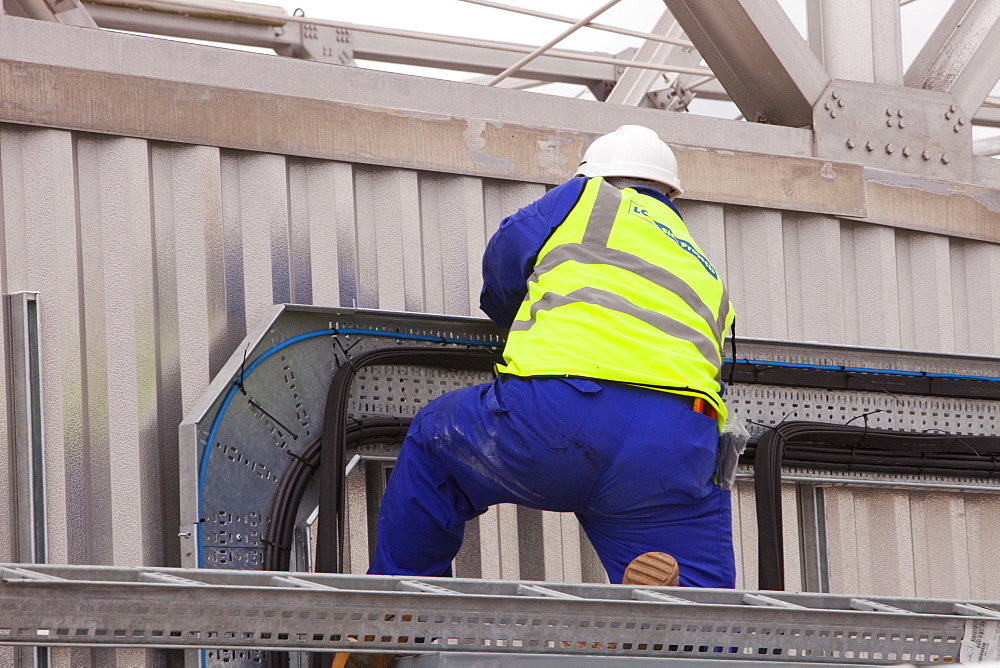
column 634, row 464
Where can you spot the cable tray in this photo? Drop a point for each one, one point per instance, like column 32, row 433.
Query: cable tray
column 102, row 606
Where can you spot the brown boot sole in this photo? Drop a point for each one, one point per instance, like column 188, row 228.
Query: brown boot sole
column 654, row 569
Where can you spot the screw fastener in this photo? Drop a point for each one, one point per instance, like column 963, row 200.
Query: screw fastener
column 926, row 155
column 957, row 128
column 850, row 143
column 901, row 125
column 948, row 115
column 870, row 146
column 890, row 149
column 945, row 158
column 888, row 112
column 840, row 103
column 906, row 151
column 834, row 95
column 888, row 123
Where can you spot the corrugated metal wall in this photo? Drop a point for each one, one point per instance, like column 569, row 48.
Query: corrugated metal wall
column 152, row 259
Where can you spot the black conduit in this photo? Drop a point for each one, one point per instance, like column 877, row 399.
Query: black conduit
column 332, row 495
column 278, row 547
column 848, row 448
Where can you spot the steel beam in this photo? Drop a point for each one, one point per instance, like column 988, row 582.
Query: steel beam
column 67, row 12
column 634, row 83
column 857, row 40
column 961, row 55
column 173, row 24
column 987, row 146
column 758, row 55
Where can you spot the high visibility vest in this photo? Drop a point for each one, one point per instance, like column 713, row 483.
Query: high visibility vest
column 621, row 292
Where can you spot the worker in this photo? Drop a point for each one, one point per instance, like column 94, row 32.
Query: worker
column 608, row 401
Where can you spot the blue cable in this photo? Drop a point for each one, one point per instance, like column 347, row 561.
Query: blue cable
column 238, row 383
column 859, row 369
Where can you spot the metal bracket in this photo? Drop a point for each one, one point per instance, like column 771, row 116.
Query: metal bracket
column 906, row 130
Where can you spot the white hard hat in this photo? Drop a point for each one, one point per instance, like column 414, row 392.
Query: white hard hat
column 632, row 150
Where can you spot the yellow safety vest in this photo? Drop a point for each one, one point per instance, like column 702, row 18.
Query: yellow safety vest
column 621, row 292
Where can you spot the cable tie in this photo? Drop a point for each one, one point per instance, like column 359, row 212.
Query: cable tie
column 253, row 403
column 243, row 367
column 277, row 546
column 301, row 459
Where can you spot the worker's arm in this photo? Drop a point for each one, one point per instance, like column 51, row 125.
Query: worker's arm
column 510, row 255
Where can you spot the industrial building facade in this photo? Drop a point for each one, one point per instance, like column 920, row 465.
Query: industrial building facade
column 157, row 198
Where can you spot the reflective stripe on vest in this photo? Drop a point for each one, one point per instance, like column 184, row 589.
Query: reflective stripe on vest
column 578, row 270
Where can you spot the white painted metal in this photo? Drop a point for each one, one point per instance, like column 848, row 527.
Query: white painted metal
column 633, row 84
column 869, row 50
column 987, row 146
column 741, row 39
column 519, row 65
column 960, row 56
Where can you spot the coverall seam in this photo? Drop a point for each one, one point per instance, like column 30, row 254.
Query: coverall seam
column 599, row 479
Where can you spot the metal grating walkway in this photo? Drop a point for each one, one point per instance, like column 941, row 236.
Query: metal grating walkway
column 212, row 609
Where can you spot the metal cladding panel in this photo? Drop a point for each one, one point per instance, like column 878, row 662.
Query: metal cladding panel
column 916, row 543
column 152, row 258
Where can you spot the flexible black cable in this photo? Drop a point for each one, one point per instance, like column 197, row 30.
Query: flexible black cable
column 851, row 448
column 292, row 488
column 332, row 498
column 293, row 484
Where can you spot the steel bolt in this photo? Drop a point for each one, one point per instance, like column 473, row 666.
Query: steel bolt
column 957, row 128
column 888, row 123
column 840, row 103
column 961, row 120
column 945, row 158
column 906, row 151
column 901, row 125
column 850, row 143
column 888, row 112
column 833, row 114
column 900, row 113
column 870, row 146
column 890, row 149
column 926, row 155
column 953, row 109
column 828, row 106
column 834, row 95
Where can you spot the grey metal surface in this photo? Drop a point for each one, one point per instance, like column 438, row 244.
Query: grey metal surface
column 743, row 38
column 477, row 660
column 95, row 606
column 28, row 507
column 157, row 59
column 918, row 132
column 960, row 56
column 505, row 542
column 631, row 87
column 871, row 50
column 261, row 431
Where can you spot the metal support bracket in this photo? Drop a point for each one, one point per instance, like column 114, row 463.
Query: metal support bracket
column 28, row 445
